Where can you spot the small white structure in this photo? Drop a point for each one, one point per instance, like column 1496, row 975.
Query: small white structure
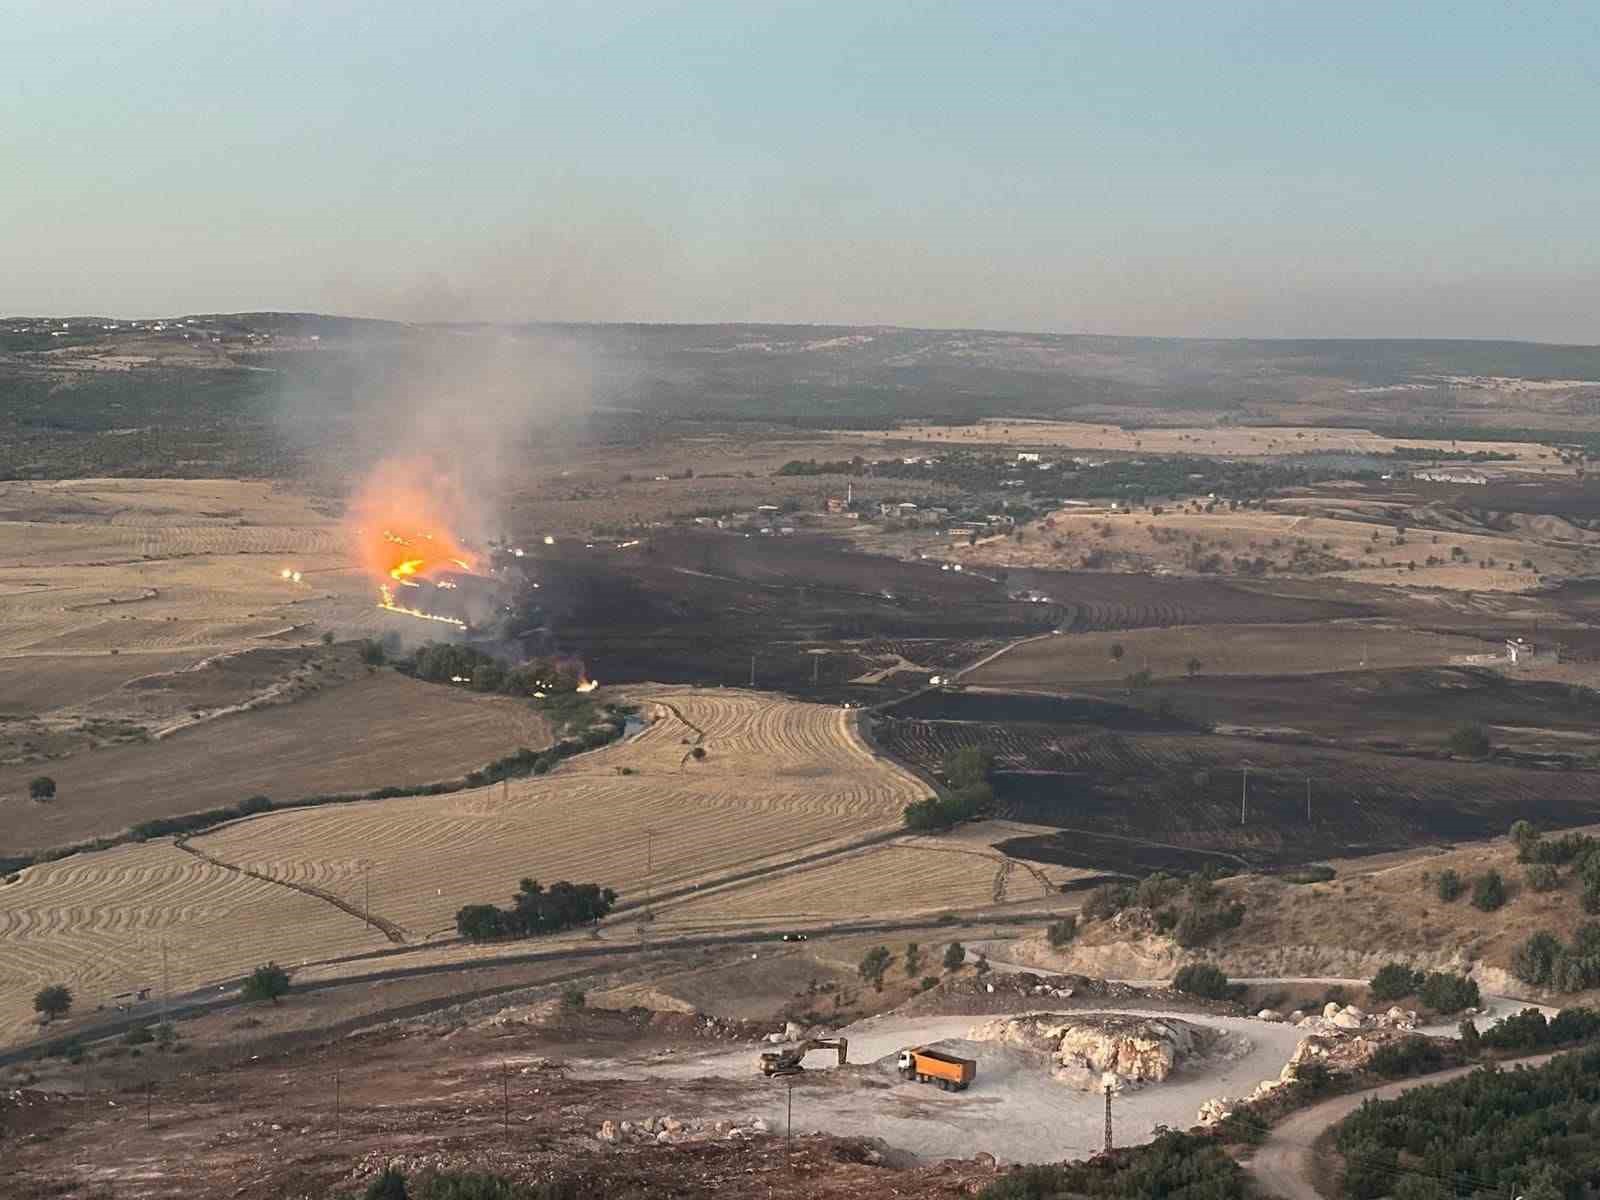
column 1522, row 653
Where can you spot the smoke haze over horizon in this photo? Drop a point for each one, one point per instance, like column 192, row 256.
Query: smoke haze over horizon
column 1244, row 170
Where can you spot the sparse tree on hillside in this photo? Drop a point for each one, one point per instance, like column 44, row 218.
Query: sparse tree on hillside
column 954, row 955
column 1470, row 741
column 1488, row 892
column 53, row 1001
column 874, row 965
column 1193, row 667
column 1449, row 886
column 1117, row 651
column 269, row 982
column 42, row 788
column 913, row 958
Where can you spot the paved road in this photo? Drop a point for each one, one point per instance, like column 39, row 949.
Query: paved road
column 1284, row 1167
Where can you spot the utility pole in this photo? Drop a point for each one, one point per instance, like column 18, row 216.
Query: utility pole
column 366, row 910
column 752, row 671
column 1108, row 1087
column 1244, row 792
column 505, row 1092
column 816, row 662
column 165, row 985
column 1308, row 799
column 789, row 1125
column 338, row 1122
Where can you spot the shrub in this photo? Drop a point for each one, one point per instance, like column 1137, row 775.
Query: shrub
column 928, row 981
column 1447, row 993
column 1313, row 873
column 873, row 965
column 1541, row 877
column 1202, row 979
column 913, row 958
column 1394, row 981
column 573, row 997
column 1534, row 961
column 1488, row 892
column 1107, row 901
column 1470, row 741
column 954, row 955
column 252, row 805
column 1199, row 926
column 1408, row 1056
column 41, row 788
column 1449, row 886
column 1063, row 931
column 269, row 982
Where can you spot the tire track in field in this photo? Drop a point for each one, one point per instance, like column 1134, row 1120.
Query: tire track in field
column 390, row 930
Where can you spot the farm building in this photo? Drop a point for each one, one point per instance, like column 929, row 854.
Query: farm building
column 1522, row 653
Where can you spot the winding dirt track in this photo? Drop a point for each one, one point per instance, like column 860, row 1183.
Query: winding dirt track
column 1286, row 1166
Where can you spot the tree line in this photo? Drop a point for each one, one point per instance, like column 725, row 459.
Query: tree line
column 537, row 910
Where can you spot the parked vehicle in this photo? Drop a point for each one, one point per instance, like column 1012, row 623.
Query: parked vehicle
column 944, row 1070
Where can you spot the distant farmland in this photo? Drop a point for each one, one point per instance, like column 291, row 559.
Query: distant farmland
column 372, row 732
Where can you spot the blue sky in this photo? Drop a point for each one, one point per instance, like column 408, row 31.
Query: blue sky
column 1250, row 169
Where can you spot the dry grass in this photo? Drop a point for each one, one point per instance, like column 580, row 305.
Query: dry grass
column 1244, row 441
column 96, row 923
column 778, row 778
column 374, row 731
column 1143, row 541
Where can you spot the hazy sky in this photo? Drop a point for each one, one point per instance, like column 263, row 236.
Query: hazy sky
column 1273, row 169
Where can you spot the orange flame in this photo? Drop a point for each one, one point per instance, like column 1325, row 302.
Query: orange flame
column 401, row 523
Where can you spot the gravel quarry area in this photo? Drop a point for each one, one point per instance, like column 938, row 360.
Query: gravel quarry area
column 1014, row 1110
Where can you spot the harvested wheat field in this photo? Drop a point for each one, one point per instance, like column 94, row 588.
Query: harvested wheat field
column 1071, row 660
column 1244, row 440
column 96, row 923
column 778, row 778
column 96, row 567
column 904, row 877
column 375, row 730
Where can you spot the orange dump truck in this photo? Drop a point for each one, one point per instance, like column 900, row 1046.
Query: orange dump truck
column 929, row 1066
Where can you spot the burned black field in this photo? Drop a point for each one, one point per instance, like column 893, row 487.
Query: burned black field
column 1138, row 778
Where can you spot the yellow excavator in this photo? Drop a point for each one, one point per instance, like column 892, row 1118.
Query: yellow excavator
column 787, row 1061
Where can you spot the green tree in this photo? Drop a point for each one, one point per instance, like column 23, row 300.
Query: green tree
column 391, row 1185
column 954, row 955
column 873, row 966
column 1488, row 891
column 53, row 1001
column 1193, row 667
column 1471, row 1043
column 1449, row 885
column 1117, row 651
column 269, row 982
column 1526, row 839
column 1202, row 979
column 1063, row 931
column 327, row 638
column 913, row 958
column 1541, row 877
column 42, row 788
column 1393, row 982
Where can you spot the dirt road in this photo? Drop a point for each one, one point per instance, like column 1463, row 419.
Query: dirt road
column 1285, row 1167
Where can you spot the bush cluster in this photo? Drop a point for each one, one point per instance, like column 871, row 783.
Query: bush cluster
column 1202, row 979
column 1525, row 1132
column 1408, row 1056
column 1530, row 1030
column 1545, row 961
column 1441, row 991
column 537, row 910
column 1174, row 1164
column 967, row 772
